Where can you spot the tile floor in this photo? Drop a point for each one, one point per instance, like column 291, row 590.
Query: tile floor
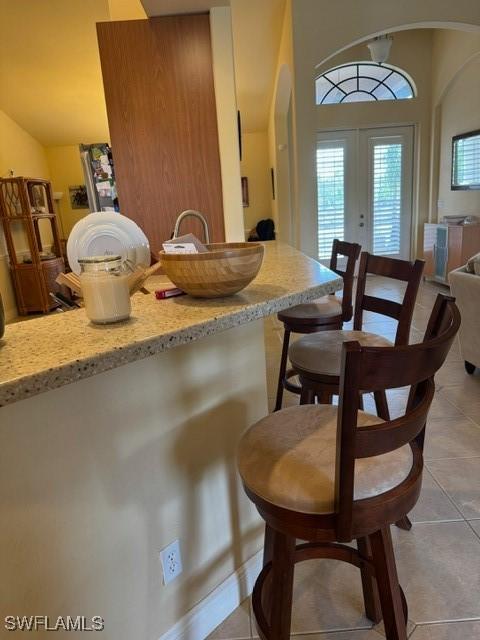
column 439, row 560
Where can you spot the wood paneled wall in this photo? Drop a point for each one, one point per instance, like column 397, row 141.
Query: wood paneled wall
column 159, row 90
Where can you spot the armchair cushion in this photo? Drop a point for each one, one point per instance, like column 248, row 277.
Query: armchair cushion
column 466, row 289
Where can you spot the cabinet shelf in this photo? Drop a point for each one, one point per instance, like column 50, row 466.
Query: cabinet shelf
column 447, row 247
column 26, row 231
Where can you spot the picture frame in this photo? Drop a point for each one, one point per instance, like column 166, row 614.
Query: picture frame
column 245, row 197
column 78, row 196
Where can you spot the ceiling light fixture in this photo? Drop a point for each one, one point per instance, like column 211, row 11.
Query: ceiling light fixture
column 380, row 48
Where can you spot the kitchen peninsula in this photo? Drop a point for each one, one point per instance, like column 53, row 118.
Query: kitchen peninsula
column 96, row 477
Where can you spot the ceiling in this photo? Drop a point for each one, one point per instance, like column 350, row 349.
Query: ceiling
column 257, row 30
column 50, row 76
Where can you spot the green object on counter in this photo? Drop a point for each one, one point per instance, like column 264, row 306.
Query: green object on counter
column 2, row 318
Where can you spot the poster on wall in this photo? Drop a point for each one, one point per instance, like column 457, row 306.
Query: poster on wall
column 78, row 196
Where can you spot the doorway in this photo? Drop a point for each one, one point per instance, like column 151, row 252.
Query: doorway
column 365, row 190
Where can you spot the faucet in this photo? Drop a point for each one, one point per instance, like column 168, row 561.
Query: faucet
column 194, row 214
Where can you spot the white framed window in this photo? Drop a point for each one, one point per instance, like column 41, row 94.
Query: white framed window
column 363, row 82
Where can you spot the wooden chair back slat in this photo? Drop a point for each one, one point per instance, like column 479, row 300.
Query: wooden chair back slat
column 382, row 368
column 351, row 251
column 379, row 439
column 403, row 270
column 385, row 307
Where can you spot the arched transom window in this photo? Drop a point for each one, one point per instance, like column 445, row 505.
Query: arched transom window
column 363, row 82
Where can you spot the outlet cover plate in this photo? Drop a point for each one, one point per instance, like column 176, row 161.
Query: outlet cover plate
column 171, row 560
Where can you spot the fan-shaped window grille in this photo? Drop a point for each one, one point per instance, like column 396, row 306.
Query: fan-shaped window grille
column 363, row 82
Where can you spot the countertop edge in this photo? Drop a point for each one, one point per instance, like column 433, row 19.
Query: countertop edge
column 31, row 385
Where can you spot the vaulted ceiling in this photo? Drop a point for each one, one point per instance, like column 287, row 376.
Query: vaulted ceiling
column 50, row 76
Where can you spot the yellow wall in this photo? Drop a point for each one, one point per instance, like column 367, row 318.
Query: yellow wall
column 256, row 167
column 66, row 170
column 20, row 151
column 26, row 156
column 278, row 111
column 225, row 98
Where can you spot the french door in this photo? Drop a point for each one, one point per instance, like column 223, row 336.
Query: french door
column 364, row 188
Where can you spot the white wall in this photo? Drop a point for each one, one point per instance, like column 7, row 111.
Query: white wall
column 460, row 113
column 98, row 476
column 412, row 52
column 456, row 109
column 317, row 35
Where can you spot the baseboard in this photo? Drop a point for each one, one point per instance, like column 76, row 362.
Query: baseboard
column 200, row 621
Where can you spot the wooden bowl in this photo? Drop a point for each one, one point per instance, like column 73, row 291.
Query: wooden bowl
column 226, row 269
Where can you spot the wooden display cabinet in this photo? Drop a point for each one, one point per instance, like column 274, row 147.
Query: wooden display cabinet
column 447, row 247
column 27, row 209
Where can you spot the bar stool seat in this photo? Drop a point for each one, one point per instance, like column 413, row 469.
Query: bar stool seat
column 288, row 459
column 320, row 353
column 313, row 313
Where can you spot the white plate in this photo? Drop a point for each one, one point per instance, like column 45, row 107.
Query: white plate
column 106, row 233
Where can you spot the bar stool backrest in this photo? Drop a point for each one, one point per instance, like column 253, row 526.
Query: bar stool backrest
column 382, row 368
column 351, row 251
column 404, row 270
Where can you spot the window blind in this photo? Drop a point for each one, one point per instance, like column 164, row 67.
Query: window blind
column 331, row 197
column 387, row 198
column 466, row 161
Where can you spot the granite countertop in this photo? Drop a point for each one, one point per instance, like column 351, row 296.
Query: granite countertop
column 48, row 352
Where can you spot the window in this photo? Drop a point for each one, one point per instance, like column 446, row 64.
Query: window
column 363, row 82
column 331, row 196
column 466, row 161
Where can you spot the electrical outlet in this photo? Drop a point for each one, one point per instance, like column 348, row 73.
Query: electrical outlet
column 171, row 560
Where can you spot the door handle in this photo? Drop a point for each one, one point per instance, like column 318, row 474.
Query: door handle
column 362, row 224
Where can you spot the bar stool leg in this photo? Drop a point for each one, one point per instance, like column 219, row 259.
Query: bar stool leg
column 307, row 396
column 382, row 405
column 388, row 586
column 373, row 610
column 283, row 370
column 324, row 397
column 267, row 557
column 283, row 563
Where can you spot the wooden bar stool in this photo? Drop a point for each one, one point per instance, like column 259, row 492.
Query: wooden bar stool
column 316, row 358
column 329, row 475
column 326, row 313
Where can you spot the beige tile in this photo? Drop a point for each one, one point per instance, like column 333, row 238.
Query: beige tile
column 475, row 524
column 235, row 626
column 439, row 569
column 461, row 395
column 347, row 635
column 380, row 629
column 472, row 411
column 449, row 631
column 456, row 437
column 452, row 373
column 460, row 478
column 327, row 597
column 441, row 407
column 433, row 505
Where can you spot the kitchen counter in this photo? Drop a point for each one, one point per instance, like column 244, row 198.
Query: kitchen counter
column 46, row 353
column 113, row 444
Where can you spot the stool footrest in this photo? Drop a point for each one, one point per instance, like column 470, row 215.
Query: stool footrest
column 291, row 386
column 310, row 551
